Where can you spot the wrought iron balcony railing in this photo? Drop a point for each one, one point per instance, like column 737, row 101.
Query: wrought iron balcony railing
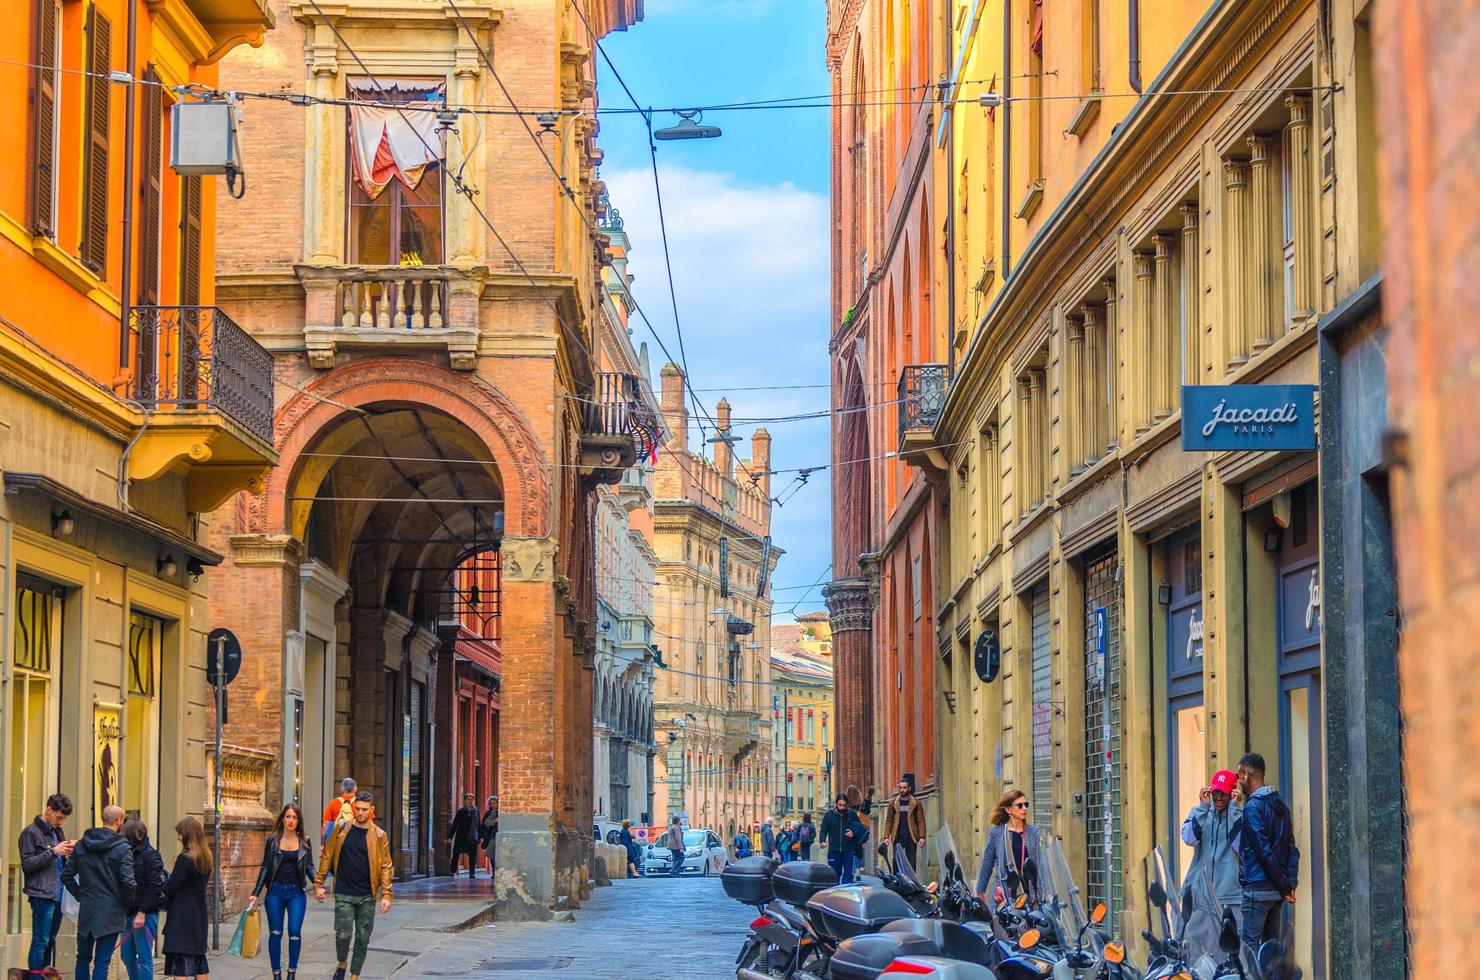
column 922, row 396
column 196, row 358
column 618, row 425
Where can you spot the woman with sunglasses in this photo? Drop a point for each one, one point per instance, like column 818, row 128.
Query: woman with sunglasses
column 1011, row 844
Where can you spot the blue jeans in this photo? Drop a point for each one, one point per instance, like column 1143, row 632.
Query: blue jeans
column 137, row 951
column 93, row 956
column 842, row 865
column 292, row 901
column 1262, row 919
column 46, row 921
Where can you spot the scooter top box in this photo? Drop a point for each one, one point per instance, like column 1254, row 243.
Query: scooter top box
column 852, row 910
column 797, row 881
column 864, row 957
column 748, row 880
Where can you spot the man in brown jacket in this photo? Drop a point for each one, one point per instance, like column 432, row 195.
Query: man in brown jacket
column 912, row 835
column 359, row 855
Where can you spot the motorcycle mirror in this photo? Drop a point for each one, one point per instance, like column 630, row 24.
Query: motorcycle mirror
column 1186, row 906
column 1157, row 894
column 1013, row 881
column 1228, row 938
column 1028, row 939
column 1098, row 915
column 1114, row 953
column 949, row 861
column 1030, row 869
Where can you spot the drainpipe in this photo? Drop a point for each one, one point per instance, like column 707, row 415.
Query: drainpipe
column 1134, row 16
column 1006, row 141
column 124, row 306
column 947, row 91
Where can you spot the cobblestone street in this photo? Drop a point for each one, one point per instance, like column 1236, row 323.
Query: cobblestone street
column 643, row 929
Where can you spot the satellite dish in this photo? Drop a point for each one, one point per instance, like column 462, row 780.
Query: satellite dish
column 987, row 656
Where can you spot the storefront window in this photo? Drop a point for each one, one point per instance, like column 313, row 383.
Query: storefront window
column 31, row 769
column 140, row 789
column 1184, row 660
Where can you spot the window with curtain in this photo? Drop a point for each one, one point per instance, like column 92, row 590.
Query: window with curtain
column 396, row 172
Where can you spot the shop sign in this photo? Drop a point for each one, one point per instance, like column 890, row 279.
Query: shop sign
column 1248, row 417
column 107, row 740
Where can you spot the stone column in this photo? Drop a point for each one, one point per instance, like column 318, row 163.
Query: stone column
column 1192, row 293
column 1095, row 388
column 463, row 227
column 1142, row 326
column 1112, row 369
column 1165, row 339
column 1038, row 383
column 990, row 491
column 323, row 199
column 1303, row 208
column 1264, row 261
column 1075, row 435
column 1237, row 336
column 851, row 613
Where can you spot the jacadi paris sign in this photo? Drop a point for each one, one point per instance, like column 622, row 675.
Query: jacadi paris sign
column 1248, row 417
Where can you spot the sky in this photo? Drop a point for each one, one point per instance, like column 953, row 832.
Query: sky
column 748, row 234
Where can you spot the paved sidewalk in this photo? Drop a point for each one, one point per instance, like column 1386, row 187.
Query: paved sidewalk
column 640, row 929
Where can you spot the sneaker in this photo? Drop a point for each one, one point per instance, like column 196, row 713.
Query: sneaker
column 339, row 973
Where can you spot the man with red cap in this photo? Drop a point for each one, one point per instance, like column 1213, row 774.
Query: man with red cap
column 1210, row 829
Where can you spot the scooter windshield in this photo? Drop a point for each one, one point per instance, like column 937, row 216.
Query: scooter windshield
column 946, row 854
column 1065, row 901
column 1163, row 896
column 904, row 870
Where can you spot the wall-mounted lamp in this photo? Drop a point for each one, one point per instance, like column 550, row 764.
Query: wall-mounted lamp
column 194, row 569
column 1272, row 538
column 166, row 567
column 63, row 523
column 1164, row 592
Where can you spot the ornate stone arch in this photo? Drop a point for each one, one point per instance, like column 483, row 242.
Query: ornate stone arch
column 506, row 435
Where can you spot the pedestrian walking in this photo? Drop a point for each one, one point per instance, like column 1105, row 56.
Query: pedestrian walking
column 287, row 868
column 784, row 842
column 629, row 847
column 463, row 834
column 1211, row 883
column 1268, row 859
column 359, row 856
column 768, row 839
column 136, row 949
column 44, row 851
column 1011, row 844
column 840, row 829
column 338, row 811
column 100, row 875
column 488, row 831
column 675, row 847
column 186, row 915
column 904, row 822
column 806, row 837
column 862, row 805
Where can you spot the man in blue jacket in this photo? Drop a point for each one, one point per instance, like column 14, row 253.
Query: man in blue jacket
column 1268, row 860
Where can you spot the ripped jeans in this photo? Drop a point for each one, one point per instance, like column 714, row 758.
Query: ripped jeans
column 290, row 902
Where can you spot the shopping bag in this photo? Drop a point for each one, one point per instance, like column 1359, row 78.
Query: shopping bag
column 70, row 908
column 252, row 934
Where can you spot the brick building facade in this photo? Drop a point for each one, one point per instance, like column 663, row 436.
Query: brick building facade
column 440, row 401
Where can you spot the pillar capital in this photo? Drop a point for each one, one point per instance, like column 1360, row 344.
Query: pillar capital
column 1235, row 173
column 1162, row 242
column 1143, row 261
column 1189, row 216
column 849, row 604
column 529, row 559
column 1259, row 148
column 1298, row 104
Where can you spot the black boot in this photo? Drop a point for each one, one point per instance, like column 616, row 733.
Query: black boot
column 277, row 975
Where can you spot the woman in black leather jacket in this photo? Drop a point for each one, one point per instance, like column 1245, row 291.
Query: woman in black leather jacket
column 287, row 870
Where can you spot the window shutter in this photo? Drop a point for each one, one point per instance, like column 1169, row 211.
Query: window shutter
column 94, row 247
column 190, row 242
column 43, row 117
column 150, row 189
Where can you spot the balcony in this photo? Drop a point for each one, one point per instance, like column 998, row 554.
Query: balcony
column 394, row 306
column 742, row 733
column 922, row 397
column 209, row 388
column 618, row 427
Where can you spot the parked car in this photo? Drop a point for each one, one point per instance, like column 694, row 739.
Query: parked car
column 703, row 854
column 606, row 830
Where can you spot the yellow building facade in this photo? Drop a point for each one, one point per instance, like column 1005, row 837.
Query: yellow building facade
column 803, row 717
column 1134, row 207
column 129, row 409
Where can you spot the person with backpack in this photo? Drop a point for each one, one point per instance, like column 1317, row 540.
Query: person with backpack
column 768, row 839
column 806, row 837
column 1268, row 859
column 339, row 811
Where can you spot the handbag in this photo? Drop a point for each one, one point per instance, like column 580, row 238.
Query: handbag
column 246, row 942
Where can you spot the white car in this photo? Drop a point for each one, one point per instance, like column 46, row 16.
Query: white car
column 703, row 854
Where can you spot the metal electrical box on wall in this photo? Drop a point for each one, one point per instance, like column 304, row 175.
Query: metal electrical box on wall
column 203, row 139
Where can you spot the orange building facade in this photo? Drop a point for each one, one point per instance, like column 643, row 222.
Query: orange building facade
column 130, row 407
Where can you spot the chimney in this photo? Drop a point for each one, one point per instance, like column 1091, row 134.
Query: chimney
column 673, row 410
column 760, row 457
column 724, row 455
